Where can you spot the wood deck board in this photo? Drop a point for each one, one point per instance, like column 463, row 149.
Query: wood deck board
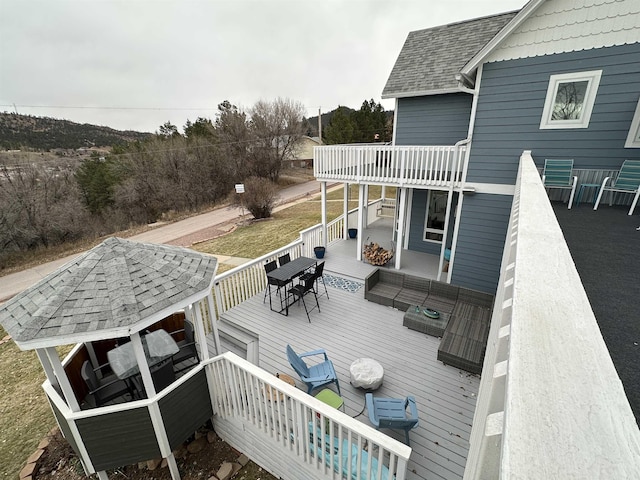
column 445, row 395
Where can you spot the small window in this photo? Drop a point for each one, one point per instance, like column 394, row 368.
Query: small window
column 436, row 210
column 570, row 99
column 633, row 139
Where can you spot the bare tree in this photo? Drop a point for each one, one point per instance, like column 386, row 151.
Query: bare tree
column 277, row 128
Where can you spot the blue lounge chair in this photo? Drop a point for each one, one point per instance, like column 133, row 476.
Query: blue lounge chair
column 559, row 174
column 392, row 413
column 627, row 181
column 316, row 375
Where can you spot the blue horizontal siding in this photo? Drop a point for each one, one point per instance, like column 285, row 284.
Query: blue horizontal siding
column 433, row 120
column 512, row 96
column 481, row 236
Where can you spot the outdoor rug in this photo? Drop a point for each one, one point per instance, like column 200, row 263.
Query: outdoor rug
column 342, row 283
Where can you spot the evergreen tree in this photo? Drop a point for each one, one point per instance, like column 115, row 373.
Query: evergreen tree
column 340, row 128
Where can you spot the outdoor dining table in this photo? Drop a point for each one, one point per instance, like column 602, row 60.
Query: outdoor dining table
column 158, row 346
column 285, row 274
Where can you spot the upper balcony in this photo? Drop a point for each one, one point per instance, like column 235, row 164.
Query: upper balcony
column 407, row 165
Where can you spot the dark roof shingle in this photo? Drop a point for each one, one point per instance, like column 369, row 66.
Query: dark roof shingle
column 430, row 59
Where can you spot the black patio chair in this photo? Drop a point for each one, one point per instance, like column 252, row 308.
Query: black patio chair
column 317, row 274
column 284, row 259
column 303, row 288
column 268, row 268
column 105, row 390
column 187, row 347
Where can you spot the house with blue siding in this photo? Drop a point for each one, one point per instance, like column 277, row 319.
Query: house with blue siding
column 558, row 78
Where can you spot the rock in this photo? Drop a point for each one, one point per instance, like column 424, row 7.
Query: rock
column 212, row 477
column 225, row 471
column 164, row 463
column 142, row 465
column 53, row 432
column 181, row 452
column 153, row 464
column 28, row 470
column 197, row 445
column 212, row 436
column 243, row 459
column 236, row 468
column 35, row 456
column 44, row 443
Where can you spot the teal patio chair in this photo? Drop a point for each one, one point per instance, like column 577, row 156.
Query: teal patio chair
column 559, row 174
column 392, row 413
column 316, row 375
column 627, row 181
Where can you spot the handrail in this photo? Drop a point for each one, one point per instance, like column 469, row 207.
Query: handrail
column 404, row 165
column 296, row 425
column 550, row 404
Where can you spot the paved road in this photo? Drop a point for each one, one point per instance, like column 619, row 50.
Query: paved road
column 183, row 233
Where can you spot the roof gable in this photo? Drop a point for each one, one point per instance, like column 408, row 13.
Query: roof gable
column 431, row 58
column 112, row 287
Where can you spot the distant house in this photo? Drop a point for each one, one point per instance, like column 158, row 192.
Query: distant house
column 302, row 154
column 559, row 78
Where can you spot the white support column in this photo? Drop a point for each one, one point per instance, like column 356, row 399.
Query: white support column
column 63, row 381
column 214, row 324
column 345, row 212
column 384, row 192
column 323, row 190
column 93, row 358
column 402, row 213
column 360, row 222
column 365, row 211
column 141, row 358
column 163, row 441
column 201, row 338
column 48, row 369
column 102, row 475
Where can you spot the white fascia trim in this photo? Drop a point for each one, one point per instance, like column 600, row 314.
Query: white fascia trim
column 424, row 93
column 520, row 17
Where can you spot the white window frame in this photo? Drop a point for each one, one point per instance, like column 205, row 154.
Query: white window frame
column 633, row 138
column 426, row 220
column 593, row 79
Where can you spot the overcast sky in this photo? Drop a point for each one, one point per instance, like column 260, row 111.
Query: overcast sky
column 137, row 64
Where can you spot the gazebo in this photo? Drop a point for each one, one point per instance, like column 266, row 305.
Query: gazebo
column 120, row 290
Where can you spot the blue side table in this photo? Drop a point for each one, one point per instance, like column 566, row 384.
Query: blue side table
column 588, row 185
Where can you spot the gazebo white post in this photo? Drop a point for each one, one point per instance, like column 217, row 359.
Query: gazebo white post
column 214, row 323
column 402, row 213
column 63, row 381
column 143, row 366
column 345, row 211
column 46, row 365
column 323, row 190
column 200, row 335
column 360, row 222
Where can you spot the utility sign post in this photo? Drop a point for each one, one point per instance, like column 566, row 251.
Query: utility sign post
column 239, row 190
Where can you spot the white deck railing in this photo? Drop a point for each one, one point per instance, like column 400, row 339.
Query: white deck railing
column 550, row 404
column 243, row 282
column 390, row 165
column 292, row 434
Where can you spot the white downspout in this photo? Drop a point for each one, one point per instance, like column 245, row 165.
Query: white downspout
column 472, row 123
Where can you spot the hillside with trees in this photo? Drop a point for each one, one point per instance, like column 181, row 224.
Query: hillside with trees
column 346, row 125
column 43, row 133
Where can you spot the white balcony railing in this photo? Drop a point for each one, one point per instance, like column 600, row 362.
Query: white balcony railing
column 550, row 404
column 295, row 435
column 437, row 166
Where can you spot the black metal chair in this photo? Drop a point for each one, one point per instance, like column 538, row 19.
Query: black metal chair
column 187, row 347
column 105, row 390
column 284, row 259
column 162, row 375
column 318, row 273
column 303, row 288
column 268, row 268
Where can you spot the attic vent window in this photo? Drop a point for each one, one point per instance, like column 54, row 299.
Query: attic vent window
column 570, row 99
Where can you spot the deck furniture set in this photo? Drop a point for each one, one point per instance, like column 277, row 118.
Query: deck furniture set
column 462, row 316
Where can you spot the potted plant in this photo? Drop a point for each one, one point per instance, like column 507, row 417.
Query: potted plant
column 353, row 233
column 319, row 251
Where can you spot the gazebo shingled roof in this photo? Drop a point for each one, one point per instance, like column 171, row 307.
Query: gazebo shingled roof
column 117, row 287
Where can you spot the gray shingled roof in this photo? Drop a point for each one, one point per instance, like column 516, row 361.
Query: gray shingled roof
column 431, row 58
column 113, row 286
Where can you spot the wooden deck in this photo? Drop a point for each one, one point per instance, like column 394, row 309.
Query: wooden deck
column 349, row 327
